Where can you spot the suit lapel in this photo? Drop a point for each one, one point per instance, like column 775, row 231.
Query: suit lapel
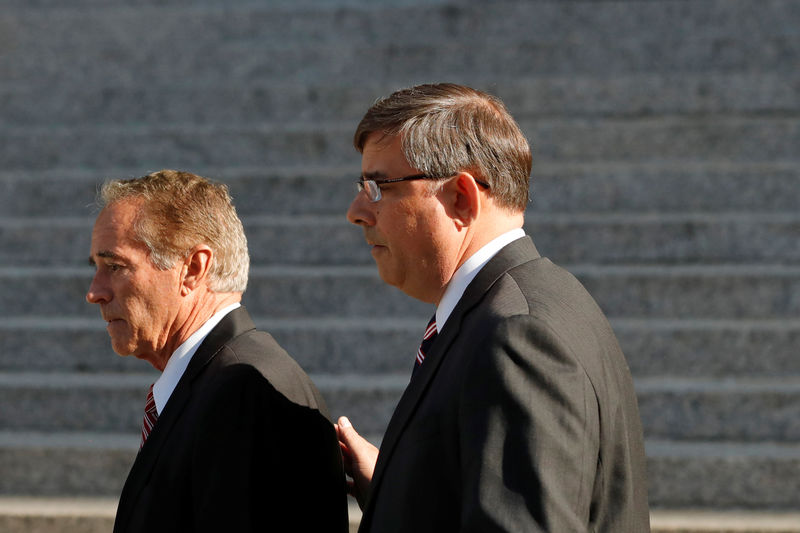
column 233, row 324
column 515, row 253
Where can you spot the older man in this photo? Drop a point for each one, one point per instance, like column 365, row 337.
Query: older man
column 521, row 413
column 235, row 436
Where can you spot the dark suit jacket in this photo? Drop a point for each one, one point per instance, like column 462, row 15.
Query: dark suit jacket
column 522, row 417
column 243, row 444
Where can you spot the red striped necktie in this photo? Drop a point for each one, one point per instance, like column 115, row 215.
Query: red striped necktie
column 150, row 416
column 427, row 341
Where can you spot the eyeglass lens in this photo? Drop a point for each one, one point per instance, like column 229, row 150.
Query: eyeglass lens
column 372, row 189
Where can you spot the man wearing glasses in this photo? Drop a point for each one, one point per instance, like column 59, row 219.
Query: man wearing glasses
column 520, row 414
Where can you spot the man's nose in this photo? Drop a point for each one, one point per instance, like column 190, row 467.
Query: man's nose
column 97, row 292
column 360, row 211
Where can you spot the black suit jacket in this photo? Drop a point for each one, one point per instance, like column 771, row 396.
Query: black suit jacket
column 523, row 416
column 243, row 444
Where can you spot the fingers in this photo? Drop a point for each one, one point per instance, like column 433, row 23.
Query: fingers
column 353, row 445
column 359, row 458
column 345, row 430
column 350, row 439
column 343, row 423
column 343, row 435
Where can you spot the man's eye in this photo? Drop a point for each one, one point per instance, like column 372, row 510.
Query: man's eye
column 113, row 267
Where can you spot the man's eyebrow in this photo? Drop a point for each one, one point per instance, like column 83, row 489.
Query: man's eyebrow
column 373, row 175
column 105, row 254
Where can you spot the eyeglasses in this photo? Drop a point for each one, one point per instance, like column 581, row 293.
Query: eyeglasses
column 373, row 187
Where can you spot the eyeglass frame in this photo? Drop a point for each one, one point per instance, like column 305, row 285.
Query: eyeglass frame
column 370, row 185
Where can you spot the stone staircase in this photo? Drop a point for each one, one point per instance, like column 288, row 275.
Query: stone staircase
column 666, row 139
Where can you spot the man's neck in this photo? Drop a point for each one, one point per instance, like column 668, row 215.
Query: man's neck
column 193, row 319
column 492, row 225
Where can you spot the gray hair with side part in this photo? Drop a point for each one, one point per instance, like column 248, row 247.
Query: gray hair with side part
column 179, row 211
column 446, row 128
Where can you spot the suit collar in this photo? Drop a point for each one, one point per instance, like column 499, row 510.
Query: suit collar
column 232, row 325
column 179, row 361
column 468, row 270
column 512, row 255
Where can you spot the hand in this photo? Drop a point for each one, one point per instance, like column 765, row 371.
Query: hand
column 359, row 459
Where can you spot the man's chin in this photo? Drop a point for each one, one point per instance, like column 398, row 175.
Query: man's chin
column 123, row 349
column 386, row 275
column 122, row 352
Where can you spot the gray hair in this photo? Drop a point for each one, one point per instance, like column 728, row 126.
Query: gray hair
column 180, row 210
column 446, row 128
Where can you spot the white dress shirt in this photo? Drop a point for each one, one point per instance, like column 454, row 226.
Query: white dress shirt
column 467, row 272
column 177, row 363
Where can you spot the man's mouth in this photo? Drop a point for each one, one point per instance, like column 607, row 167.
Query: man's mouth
column 374, row 245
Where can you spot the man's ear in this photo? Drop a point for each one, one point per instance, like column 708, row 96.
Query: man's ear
column 196, row 268
column 465, row 198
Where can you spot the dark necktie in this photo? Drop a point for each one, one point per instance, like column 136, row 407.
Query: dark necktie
column 427, row 341
column 150, row 416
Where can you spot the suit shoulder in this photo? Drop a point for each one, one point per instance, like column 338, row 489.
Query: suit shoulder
column 260, row 352
column 544, row 288
column 547, row 302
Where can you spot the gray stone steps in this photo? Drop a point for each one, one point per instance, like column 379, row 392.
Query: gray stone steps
column 706, row 292
column 744, row 410
column 665, row 137
column 73, row 514
column 641, row 94
column 604, row 238
column 712, row 348
column 668, row 292
column 710, row 185
column 713, row 521
column 723, row 475
column 65, row 464
column 683, row 475
column 328, row 41
column 96, row 515
column 58, row 402
column 689, row 187
column 757, row 139
column 57, row 515
column 683, row 348
column 320, row 345
column 677, row 409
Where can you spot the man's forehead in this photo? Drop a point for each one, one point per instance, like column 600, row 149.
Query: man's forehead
column 380, row 141
column 113, row 235
column 383, row 157
column 113, row 225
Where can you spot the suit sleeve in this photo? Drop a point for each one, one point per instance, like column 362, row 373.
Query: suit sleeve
column 528, row 432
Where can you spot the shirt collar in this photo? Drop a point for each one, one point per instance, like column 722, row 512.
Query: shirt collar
column 177, row 363
column 467, row 272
